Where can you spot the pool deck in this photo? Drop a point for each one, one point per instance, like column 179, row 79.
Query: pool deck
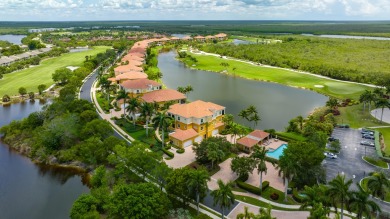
column 274, row 144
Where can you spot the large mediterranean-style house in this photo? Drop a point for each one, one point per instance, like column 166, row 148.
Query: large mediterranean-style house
column 195, row 121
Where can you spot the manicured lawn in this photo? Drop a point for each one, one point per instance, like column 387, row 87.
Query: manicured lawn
column 259, row 203
column 376, row 162
column 337, row 89
column 386, row 136
column 137, row 132
column 364, row 186
column 356, row 118
column 32, row 77
column 270, row 190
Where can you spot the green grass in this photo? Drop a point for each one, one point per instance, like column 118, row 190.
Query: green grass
column 356, row 118
column 291, row 135
column 333, row 88
column 32, row 77
column 363, row 183
column 386, row 136
column 103, row 103
column 259, row 203
column 270, row 190
column 137, row 132
column 376, row 162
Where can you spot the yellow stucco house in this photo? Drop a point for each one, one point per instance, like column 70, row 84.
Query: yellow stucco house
column 195, row 121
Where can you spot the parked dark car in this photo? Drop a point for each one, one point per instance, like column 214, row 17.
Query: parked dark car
column 368, row 136
column 332, row 139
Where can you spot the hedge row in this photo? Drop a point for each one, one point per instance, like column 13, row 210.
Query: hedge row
column 170, row 154
column 296, row 196
column 250, row 188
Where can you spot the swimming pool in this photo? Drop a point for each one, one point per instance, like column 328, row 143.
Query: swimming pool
column 278, row 152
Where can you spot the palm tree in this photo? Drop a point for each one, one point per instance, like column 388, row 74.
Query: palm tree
column 255, row 118
column 246, row 214
column 162, row 121
column 259, row 154
column 378, row 92
column 287, row 169
column 382, row 103
column 214, row 154
column 370, row 98
column 265, row 213
column 188, row 89
column 105, row 84
column 197, row 182
column 362, row 204
column 122, row 94
column 132, row 107
column 339, row 191
column 313, row 196
column 234, row 130
column 223, row 195
column 181, row 89
column 378, row 184
column 300, row 121
column 364, row 98
column 147, row 110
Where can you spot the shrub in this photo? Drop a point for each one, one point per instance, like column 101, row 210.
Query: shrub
column 274, row 196
column 170, row 154
column 180, row 151
column 250, row 188
column 296, row 196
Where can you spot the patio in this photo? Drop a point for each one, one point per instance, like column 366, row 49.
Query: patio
column 181, row 160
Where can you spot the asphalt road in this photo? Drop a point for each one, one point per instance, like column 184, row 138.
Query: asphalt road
column 350, row 162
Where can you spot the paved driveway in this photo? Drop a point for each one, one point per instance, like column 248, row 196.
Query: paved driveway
column 181, row 160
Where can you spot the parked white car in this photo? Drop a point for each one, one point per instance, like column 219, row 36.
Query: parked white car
column 330, row 155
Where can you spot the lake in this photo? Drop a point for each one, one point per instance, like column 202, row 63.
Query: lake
column 347, row 37
column 15, row 39
column 277, row 104
column 28, row 190
column 238, row 42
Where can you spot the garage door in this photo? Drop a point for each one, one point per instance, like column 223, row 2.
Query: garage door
column 199, row 139
column 187, row 143
column 215, row 132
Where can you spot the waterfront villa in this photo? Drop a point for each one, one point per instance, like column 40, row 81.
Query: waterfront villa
column 195, row 121
column 200, row 38
column 221, row 36
column 139, row 86
column 163, row 96
column 257, row 137
column 132, row 75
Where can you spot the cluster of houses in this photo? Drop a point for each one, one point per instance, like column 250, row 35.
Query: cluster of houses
column 193, row 121
column 7, row 60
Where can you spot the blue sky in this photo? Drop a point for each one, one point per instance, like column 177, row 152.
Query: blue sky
column 73, row 10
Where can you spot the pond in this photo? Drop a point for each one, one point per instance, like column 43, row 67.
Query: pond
column 79, row 49
column 277, row 104
column 238, row 42
column 15, row 39
column 31, row 191
column 347, row 37
column 179, row 35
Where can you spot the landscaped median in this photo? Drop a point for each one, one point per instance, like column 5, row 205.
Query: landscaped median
column 376, row 162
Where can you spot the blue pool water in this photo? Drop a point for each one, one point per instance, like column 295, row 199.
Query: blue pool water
column 278, row 152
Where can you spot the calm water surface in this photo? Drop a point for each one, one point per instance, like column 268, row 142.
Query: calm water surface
column 15, row 39
column 348, row 37
column 238, row 42
column 28, row 190
column 277, row 104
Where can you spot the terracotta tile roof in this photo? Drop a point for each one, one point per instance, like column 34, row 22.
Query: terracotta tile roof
column 163, row 96
column 221, row 35
column 197, row 109
column 259, row 134
column 183, row 135
column 127, row 68
column 131, row 76
column 199, row 37
column 131, row 57
column 248, row 142
column 139, row 84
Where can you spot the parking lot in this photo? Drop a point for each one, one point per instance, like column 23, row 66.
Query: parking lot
column 349, row 160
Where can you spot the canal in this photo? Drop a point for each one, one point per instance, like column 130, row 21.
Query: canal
column 277, row 104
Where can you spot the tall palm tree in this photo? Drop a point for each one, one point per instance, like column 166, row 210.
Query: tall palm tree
column 214, row 154
column 378, row 184
column 287, row 169
column 197, row 182
column 188, row 89
column 364, row 98
column 378, row 92
column 370, row 98
column 314, row 195
column 339, row 191
column 132, row 107
column 382, row 103
column 223, row 195
column 147, row 111
column 105, row 84
column 162, row 121
column 246, row 214
column 259, row 154
column 122, row 94
column 300, row 121
column 255, row 118
column 362, row 204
